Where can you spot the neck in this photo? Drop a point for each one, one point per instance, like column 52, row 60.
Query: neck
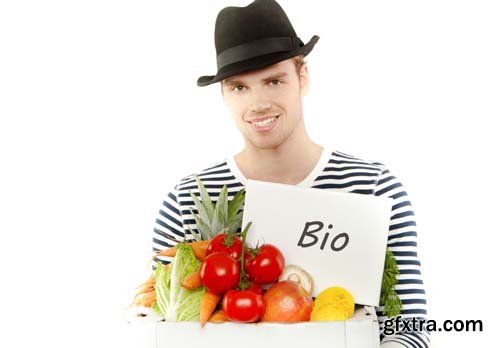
column 289, row 163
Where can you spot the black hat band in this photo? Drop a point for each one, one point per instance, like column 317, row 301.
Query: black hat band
column 257, row 48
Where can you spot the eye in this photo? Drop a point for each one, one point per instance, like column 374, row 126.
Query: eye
column 237, row 88
column 276, row 82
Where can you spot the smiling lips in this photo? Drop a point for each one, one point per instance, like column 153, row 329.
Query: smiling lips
column 263, row 124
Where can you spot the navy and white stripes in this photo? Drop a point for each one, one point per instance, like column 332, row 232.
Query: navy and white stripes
column 342, row 172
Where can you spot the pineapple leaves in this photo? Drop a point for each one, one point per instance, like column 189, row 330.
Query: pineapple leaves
column 203, row 215
column 205, row 199
column 219, row 220
column 203, row 228
column 214, row 218
column 235, row 223
column 235, row 205
column 196, row 235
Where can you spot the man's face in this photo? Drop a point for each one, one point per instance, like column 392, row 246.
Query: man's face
column 266, row 104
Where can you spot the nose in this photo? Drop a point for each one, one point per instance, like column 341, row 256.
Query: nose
column 261, row 103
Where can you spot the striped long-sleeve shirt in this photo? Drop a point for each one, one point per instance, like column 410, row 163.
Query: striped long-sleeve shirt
column 334, row 171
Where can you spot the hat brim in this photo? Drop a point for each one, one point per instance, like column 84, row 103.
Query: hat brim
column 256, row 63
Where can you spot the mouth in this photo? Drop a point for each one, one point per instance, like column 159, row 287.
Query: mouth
column 264, row 124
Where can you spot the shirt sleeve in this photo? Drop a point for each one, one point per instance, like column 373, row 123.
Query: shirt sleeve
column 402, row 241
column 168, row 227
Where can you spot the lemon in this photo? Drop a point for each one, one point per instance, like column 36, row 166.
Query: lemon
column 338, row 298
column 328, row 312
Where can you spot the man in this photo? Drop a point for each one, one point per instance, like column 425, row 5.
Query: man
column 263, row 79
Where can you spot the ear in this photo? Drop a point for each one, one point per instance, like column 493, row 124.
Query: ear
column 304, row 80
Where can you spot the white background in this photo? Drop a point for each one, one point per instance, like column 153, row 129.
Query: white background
column 100, row 116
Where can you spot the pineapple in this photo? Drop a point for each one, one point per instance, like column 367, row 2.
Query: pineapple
column 223, row 217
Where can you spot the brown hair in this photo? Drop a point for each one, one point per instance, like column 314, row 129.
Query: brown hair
column 299, row 61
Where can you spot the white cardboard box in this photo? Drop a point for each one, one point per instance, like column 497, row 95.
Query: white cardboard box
column 360, row 331
column 358, row 268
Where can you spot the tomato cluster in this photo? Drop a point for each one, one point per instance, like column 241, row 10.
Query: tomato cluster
column 240, row 278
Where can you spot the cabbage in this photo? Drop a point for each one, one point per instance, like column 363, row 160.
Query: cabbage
column 162, row 288
column 174, row 302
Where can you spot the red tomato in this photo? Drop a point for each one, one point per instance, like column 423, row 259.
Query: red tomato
column 220, row 273
column 227, row 243
column 243, row 306
column 266, row 266
column 256, row 288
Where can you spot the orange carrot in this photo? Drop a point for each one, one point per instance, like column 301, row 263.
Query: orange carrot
column 147, row 286
column 208, row 303
column 167, row 252
column 219, row 316
column 144, row 290
column 150, row 282
column 192, row 280
column 199, row 248
column 146, row 299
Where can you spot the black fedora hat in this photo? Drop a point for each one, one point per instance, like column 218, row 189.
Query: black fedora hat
column 253, row 37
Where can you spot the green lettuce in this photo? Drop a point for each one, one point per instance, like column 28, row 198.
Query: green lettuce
column 174, row 302
column 156, row 308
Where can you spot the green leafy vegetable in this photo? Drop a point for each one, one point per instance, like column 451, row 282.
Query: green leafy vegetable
column 174, row 302
column 162, row 287
column 388, row 296
column 156, row 308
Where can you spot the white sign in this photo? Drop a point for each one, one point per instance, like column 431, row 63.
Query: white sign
column 340, row 238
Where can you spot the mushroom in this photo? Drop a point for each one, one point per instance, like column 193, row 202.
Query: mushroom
column 297, row 274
